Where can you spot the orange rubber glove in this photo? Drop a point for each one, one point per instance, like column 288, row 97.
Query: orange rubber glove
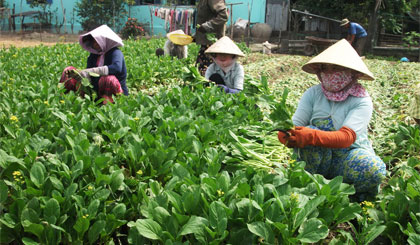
column 303, row 136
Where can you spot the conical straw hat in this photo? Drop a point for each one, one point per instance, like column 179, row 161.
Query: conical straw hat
column 175, row 32
column 179, row 37
column 224, row 46
column 342, row 54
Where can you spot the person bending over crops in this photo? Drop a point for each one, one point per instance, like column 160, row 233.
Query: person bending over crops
column 226, row 72
column 174, row 49
column 211, row 18
column 331, row 122
column 105, row 59
column 356, row 35
column 414, row 108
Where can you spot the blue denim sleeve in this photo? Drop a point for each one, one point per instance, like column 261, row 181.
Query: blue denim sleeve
column 117, row 62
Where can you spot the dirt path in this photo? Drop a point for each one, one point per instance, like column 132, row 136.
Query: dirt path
column 31, row 39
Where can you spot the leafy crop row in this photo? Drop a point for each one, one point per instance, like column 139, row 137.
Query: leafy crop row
column 174, row 162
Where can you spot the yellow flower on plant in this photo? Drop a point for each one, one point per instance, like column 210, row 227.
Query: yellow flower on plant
column 136, row 118
column 46, row 102
column 220, row 192
column 368, row 204
column 292, row 162
column 85, row 216
column 90, row 187
column 62, row 101
column 14, row 119
column 294, row 197
column 140, row 172
column 17, row 176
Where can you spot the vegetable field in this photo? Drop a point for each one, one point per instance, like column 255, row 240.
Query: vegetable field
column 178, row 162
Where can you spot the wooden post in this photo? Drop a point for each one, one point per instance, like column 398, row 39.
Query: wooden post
column 249, row 24
column 418, row 22
column 231, row 18
column 10, row 20
column 231, row 21
column 151, row 21
column 13, row 18
column 372, row 28
column 21, row 18
column 64, row 16
column 282, row 11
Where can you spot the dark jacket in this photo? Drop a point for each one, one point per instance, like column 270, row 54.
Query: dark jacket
column 114, row 59
column 212, row 15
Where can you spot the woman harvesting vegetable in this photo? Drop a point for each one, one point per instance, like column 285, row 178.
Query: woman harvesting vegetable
column 105, row 59
column 332, row 121
column 225, row 71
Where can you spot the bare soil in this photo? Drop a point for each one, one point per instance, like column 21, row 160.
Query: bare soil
column 31, row 39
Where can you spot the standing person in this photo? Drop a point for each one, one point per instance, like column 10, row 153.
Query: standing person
column 331, row 122
column 356, row 35
column 211, row 18
column 105, row 59
column 226, row 72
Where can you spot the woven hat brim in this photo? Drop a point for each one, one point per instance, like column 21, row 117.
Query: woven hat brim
column 224, row 46
column 180, row 39
column 175, row 32
column 341, row 54
column 344, row 22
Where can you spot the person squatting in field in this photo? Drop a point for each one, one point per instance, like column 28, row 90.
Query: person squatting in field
column 225, row 71
column 105, row 59
column 211, row 18
column 171, row 48
column 331, row 122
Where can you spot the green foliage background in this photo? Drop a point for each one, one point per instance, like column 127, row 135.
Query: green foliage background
column 94, row 13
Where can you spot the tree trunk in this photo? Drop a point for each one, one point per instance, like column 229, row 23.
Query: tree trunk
column 373, row 26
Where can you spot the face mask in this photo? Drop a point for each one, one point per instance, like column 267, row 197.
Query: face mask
column 336, row 81
column 225, row 65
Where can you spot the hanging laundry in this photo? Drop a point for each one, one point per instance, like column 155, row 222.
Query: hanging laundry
column 175, row 19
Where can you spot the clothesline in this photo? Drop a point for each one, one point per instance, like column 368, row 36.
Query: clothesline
column 176, row 18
